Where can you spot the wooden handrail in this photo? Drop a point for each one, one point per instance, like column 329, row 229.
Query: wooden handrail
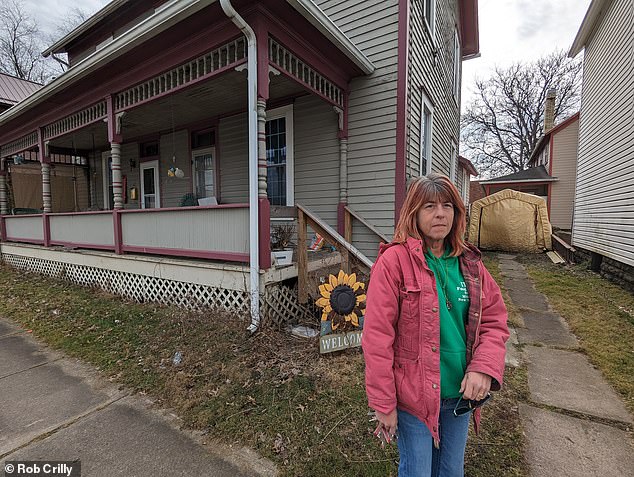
column 304, row 218
column 370, row 227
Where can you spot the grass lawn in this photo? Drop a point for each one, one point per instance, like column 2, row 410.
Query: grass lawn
column 271, row 392
column 599, row 312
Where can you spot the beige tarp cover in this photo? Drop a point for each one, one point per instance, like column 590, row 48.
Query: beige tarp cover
column 26, row 183
column 512, row 221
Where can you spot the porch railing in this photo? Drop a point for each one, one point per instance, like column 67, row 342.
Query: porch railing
column 212, row 232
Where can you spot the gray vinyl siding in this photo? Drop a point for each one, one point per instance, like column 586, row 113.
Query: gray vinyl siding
column 604, row 209
column 174, row 151
column 434, row 77
column 233, row 155
column 373, row 26
column 316, row 157
column 562, row 197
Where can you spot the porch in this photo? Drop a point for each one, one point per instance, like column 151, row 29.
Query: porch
column 161, row 149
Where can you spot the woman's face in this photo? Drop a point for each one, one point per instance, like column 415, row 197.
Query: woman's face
column 435, row 219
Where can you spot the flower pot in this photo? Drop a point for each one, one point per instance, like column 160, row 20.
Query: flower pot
column 282, row 257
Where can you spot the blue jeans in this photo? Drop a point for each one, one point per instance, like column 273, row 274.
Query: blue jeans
column 419, row 457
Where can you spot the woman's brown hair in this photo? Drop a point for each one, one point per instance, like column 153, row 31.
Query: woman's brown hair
column 432, row 188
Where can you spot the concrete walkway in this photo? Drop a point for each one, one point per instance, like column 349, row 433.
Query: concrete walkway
column 574, row 421
column 54, row 408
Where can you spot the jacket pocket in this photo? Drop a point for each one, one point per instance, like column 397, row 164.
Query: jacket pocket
column 408, row 382
column 410, row 303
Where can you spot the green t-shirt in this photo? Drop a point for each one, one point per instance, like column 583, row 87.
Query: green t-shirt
column 453, row 336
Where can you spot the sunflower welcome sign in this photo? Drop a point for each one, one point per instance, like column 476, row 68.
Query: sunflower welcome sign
column 342, row 302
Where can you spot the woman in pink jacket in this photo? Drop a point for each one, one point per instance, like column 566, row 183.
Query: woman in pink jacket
column 434, row 332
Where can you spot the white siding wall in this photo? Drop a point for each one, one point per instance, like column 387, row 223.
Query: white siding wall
column 316, row 157
column 565, row 144
column 604, row 205
column 131, row 151
column 435, row 78
column 373, row 26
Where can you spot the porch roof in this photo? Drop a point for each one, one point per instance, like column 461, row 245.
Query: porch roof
column 306, row 8
column 164, row 18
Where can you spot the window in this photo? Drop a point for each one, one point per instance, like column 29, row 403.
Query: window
column 149, row 149
column 204, row 172
column 426, row 128
column 429, row 13
column 202, row 139
column 456, row 66
column 279, row 156
column 452, row 162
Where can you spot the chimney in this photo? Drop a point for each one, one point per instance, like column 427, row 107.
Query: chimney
column 549, row 110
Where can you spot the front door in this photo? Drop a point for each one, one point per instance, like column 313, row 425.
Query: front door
column 150, row 191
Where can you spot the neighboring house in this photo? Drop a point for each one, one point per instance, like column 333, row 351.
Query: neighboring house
column 353, row 99
column 604, row 206
column 465, row 171
column 556, row 151
column 13, row 90
column 552, row 168
column 476, row 191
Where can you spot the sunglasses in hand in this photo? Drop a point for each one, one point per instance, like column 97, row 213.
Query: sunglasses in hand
column 463, row 406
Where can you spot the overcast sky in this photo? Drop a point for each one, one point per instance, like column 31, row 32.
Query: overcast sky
column 510, row 30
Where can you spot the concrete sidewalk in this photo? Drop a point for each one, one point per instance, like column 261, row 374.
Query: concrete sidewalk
column 575, row 421
column 55, row 408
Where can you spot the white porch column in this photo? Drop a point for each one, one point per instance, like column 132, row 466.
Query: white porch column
column 262, row 163
column 343, row 170
column 117, row 184
column 4, row 206
column 46, row 188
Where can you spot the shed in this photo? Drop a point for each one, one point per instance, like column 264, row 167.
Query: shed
column 512, row 221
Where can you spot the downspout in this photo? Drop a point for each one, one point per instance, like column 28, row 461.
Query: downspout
column 254, row 258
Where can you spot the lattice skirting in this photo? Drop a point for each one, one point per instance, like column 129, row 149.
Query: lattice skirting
column 278, row 304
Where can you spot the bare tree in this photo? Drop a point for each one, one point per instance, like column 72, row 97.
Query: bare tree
column 20, row 43
column 502, row 125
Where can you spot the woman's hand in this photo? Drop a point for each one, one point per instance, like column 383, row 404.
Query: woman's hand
column 475, row 386
column 389, row 421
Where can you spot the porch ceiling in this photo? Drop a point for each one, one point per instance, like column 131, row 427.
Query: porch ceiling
column 221, row 96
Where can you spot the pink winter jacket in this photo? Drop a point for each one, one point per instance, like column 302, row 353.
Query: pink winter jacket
column 401, row 331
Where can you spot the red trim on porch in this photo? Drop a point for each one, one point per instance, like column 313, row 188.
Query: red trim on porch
column 111, row 121
column 42, row 147
column 93, row 212
column 264, row 226
column 46, row 224
column 401, row 107
column 550, row 185
column 262, row 39
column 228, row 256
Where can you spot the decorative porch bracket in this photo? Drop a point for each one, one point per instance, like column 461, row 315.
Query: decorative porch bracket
column 297, row 69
